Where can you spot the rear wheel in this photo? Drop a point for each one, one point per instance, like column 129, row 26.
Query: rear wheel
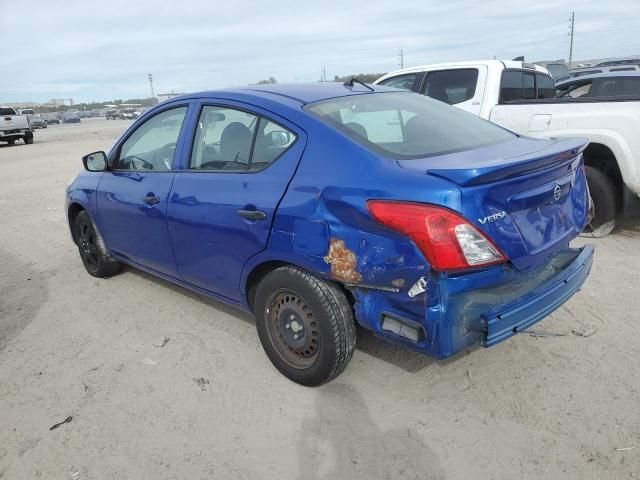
column 305, row 325
column 603, row 194
column 11, row 142
column 93, row 251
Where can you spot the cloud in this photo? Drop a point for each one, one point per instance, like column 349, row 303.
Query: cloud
column 104, row 50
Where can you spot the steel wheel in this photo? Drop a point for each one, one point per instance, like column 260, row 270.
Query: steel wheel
column 292, row 329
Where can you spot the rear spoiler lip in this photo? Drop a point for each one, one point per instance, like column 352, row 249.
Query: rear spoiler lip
column 564, row 149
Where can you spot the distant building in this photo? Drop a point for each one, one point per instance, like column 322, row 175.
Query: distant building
column 163, row 97
column 60, row 101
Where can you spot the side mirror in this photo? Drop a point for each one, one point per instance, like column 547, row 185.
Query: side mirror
column 279, row 138
column 95, row 162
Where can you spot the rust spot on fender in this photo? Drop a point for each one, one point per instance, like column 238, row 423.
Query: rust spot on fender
column 343, row 262
column 398, row 282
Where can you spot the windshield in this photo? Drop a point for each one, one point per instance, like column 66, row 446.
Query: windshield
column 405, row 125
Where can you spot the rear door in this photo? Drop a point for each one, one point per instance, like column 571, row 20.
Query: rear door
column 224, row 198
column 133, row 196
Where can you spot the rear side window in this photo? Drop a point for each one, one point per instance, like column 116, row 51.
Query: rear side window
column 517, row 85
column 6, row 111
column 618, row 86
column 546, row 87
column 529, row 86
column 511, row 86
column 451, row 86
column 232, row 140
column 404, row 82
column 405, row 126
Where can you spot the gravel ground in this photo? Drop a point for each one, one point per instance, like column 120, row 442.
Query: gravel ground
column 208, row 404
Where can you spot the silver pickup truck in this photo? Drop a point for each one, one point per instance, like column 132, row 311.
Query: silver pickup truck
column 14, row 127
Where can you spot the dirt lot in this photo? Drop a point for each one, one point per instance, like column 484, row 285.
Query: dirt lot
column 208, row 404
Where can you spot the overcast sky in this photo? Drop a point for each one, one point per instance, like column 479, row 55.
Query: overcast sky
column 88, row 50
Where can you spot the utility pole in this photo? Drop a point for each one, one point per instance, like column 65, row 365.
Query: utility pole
column 151, row 85
column 401, row 59
column 572, row 19
column 323, row 75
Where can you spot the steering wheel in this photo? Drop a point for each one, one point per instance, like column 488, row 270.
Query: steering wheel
column 165, row 154
column 144, row 164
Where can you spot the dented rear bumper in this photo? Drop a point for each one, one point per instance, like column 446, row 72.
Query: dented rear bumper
column 485, row 307
column 504, row 321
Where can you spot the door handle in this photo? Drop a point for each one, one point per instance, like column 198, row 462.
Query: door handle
column 150, row 199
column 252, row 214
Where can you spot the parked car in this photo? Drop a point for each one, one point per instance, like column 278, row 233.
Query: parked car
column 14, row 127
column 70, row 117
column 581, row 72
column 523, row 99
column 52, row 119
column 37, row 122
column 314, row 205
column 112, row 114
column 620, row 61
column 601, row 86
column 129, row 114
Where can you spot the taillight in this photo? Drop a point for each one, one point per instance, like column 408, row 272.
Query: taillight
column 447, row 240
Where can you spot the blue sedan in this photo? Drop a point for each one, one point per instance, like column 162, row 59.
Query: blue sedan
column 319, row 207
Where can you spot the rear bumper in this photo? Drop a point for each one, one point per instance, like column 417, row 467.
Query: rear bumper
column 504, row 321
column 484, row 307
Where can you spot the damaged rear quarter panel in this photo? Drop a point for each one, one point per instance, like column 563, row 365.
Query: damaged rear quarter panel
column 322, row 225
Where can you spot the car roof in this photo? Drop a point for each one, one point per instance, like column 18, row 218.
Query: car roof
column 507, row 64
column 299, row 92
column 631, row 73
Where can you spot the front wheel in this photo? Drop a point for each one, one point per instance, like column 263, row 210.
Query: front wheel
column 93, row 251
column 28, row 140
column 305, row 325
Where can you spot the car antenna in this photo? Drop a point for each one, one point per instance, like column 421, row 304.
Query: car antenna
column 350, row 83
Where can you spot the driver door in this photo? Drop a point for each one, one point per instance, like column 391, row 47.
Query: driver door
column 132, row 197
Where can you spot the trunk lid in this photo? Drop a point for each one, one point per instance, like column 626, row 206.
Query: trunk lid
column 528, row 196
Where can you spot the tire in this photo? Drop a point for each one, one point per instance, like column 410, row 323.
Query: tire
column 92, row 249
column 11, row 142
column 603, row 193
column 290, row 302
column 28, row 140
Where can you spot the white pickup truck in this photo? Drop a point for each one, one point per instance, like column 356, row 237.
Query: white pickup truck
column 14, row 126
column 522, row 97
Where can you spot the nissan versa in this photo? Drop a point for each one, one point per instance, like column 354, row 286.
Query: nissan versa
column 319, row 207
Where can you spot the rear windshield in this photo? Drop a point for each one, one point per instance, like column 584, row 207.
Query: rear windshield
column 406, row 125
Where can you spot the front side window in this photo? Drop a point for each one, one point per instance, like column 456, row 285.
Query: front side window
column 407, row 126
column 233, row 140
column 404, row 82
column 153, row 144
column 452, row 86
